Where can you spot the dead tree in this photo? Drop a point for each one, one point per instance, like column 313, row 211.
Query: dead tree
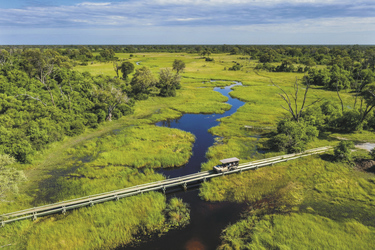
column 293, row 104
column 32, row 97
column 44, row 73
column 116, row 68
column 338, row 94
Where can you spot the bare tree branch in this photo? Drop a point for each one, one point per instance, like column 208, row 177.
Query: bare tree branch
column 45, row 71
column 296, row 114
column 304, row 99
column 295, row 97
column 342, row 104
column 287, row 100
column 31, row 97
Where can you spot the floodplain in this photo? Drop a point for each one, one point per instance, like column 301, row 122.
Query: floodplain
column 307, row 203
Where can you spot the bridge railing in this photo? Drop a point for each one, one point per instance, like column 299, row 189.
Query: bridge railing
column 162, row 184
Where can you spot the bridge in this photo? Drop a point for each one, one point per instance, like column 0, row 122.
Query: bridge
column 183, row 181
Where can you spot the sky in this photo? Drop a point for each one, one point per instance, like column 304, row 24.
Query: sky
column 48, row 22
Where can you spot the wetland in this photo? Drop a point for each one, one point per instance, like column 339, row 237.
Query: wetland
column 172, row 136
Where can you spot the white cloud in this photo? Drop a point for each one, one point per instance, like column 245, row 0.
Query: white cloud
column 321, row 25
column 93, row 4
column 191, row 19
column 174, row 12
column 257, row 2
column 252, row 16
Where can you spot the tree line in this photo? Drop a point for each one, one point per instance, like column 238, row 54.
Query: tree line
column 42, row 99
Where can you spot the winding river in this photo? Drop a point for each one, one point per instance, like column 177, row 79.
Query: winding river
column 207, row 219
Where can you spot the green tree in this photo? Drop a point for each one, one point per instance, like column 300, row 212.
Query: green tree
column 340, row 78
column 293, row 136
column 342, row 151
column 107, row 54
column 85, row 52
column 4, row 57
column 9, row 177
column 126, row 69
column 178, row 65
column 142, row 82
column 42, row 66
column 109, row 91
column 168, row 83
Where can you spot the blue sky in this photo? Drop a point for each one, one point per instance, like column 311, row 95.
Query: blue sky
column 187, row 22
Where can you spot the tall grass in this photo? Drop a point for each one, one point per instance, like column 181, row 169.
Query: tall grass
column 330, row 198
column 297, row 231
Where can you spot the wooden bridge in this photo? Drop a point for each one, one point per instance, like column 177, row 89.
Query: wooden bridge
column 183, row 181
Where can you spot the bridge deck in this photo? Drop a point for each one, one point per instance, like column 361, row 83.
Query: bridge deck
column 153, row 186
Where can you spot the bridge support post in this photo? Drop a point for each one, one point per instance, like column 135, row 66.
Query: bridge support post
column 34, row 216
column 256, row 168
column 64, row 210
column 184, row 186
column 116, row 197
column 204, row 180
column 2, row 224
column 164, row 189
column 91, row 203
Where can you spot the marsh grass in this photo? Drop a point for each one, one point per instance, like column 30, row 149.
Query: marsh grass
column 302, row 196
column 103, row 226
column 331, row 198
column 308, row 232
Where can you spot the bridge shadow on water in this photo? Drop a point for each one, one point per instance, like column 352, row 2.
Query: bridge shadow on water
column 207, row 219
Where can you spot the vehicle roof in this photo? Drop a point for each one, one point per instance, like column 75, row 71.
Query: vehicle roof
column 233, row 159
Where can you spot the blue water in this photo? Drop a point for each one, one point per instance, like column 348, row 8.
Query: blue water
column 198, row 125
column 207, row 219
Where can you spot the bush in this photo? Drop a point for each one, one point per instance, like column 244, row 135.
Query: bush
column 91, row 120
column 236, row 67
column 349, row 121
column 76, row 128
column 178, row 213
column 343, row 151
column 372, row 153
column 126, row 108
column 293, row 136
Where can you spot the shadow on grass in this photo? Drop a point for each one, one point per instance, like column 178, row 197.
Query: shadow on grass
column 49, row 188
column 327, row 157
column 341, row 211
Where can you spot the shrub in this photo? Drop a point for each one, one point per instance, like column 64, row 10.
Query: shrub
column 178, row 213
column 372, row 153
column 76, row 128
column 236, row 67
column 343, row 151
column 91, row 120
column 292, row 136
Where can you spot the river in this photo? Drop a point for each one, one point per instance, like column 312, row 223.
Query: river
column 207, row 219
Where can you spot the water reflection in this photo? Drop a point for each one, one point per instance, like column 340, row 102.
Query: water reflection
column 198, row 125
column 207, row 218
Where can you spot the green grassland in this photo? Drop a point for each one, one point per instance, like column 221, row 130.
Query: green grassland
column 332, row 199
column 297, row 204
column 297, row 231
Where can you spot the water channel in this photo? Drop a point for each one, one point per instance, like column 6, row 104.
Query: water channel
column 207, row 219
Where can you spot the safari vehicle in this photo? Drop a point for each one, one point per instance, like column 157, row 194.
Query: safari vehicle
column 227, row 165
